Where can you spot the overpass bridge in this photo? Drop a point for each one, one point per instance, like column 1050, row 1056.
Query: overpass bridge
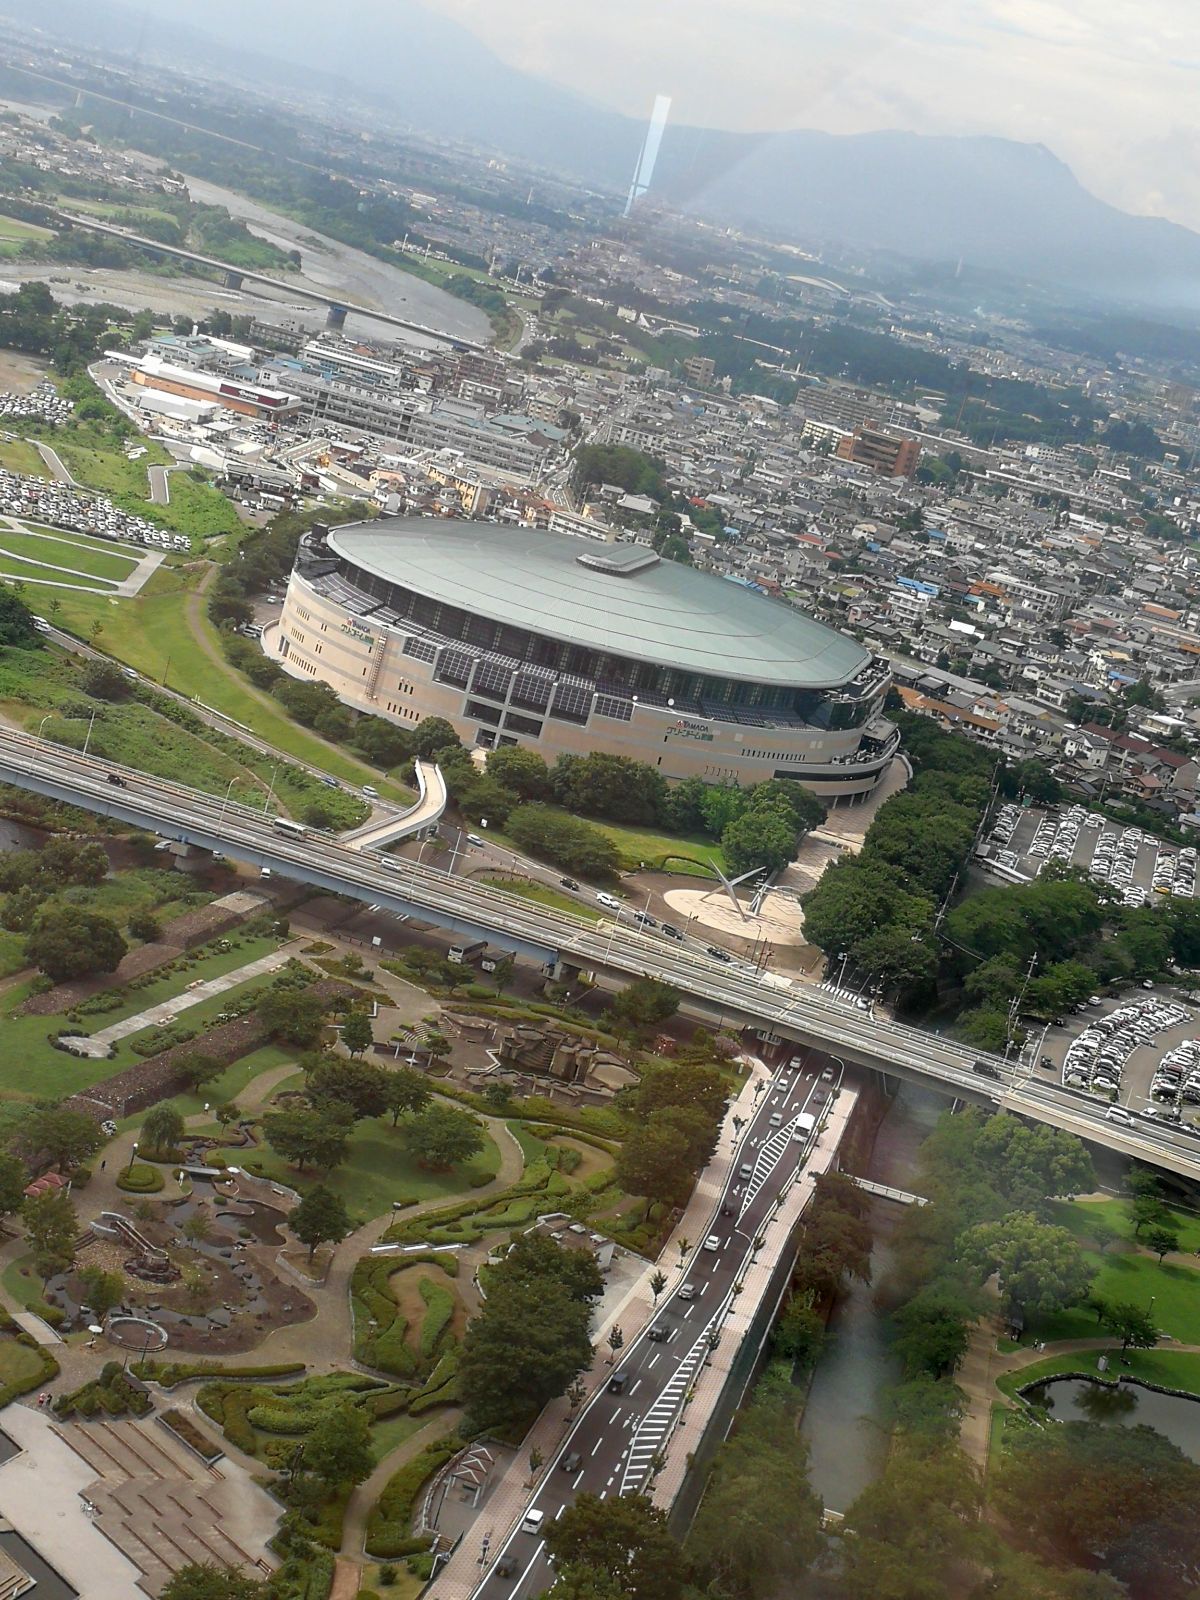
column 234, row 277
column 721, row 992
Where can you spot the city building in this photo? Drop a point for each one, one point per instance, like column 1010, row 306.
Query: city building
column 567, row 646
column 883, row 452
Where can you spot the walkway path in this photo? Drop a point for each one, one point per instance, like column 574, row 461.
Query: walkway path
column 97, row 1044
column 358, row 1508
column 58, row 467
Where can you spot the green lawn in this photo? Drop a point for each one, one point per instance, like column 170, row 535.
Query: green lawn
column 151, row 633
column 543, row 895
column 1173, row 1369
column 58, row 551
column 21, row 572
column 688, row 854
column 18, row 455
column 1075, row 1214
column 13, row 234
column 1175, row 1291
column 377, row 1171
column 19, row 1365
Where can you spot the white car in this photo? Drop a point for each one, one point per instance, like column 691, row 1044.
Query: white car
column 712, row 1242
column 609, row 901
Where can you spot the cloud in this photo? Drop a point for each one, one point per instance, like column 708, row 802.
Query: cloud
column 1109, row 87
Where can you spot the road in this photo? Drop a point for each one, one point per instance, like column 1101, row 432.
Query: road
column 58, row 467
column 160, row 485
column 613, row 1444
column 725, row 990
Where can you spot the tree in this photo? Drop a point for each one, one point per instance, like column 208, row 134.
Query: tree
column 433, row 735
column 196, row 1069
column 521, row 771
column 1162, row 1239
column 356, row 1086
column 577, row 1581
column 645, row 1003
column 1132, row 1324
column 523, row 1349
column 625, row 1537
column 13, row 1178
column 441, row 1137
column 653, row 1162
column 103, row 680
column 204, row 1581
column 799, row 1334
column 53, row 1228
column 1040, row 1266
column 1121, row 1496
column 69, row 942
column 320, row 1216
column 338, row 1449
column 1145, row 1211
column 503, row 974
column 292, row 1017
column 102, row 1290
column 406, row 1091
column 934, row 1331
column 310, row 1137
column 62, row 1137
column 566, row 841
column 198, row 1228
column 16, row 622
column 144, row 925
column 911, row 1528
column 658, row 1283
column 763, row 839
column 1102, row 1234
column 615, row 1342
column 536, row 1258
column 758, row 1528
column 357, row 1033
column 162, row 1128
column 680, row 1083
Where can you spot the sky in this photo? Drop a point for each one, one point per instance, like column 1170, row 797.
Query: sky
column 1110, row 86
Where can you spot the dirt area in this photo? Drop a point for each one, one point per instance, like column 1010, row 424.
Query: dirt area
column 593, row 1160
column 405, row 1286
column 19, row 374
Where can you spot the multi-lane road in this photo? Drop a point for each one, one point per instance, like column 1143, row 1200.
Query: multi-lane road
column 613, row 1446
column 727, row 990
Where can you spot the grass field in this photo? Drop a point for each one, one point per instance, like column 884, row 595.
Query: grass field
column 47, row 555
column 1076, row 1214
column 13, row 571
column 1174, row 1290
column 377, row 1170
column 14, row 234
column 150, row 631
column 689, row 854
column 1174, row 1369
column 18, row 455
column 543, row 895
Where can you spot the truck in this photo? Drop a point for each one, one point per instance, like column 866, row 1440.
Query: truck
column 805, row 1123
column 461, row 954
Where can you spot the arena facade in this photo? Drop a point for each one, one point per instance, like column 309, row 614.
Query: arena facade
column 564, row 645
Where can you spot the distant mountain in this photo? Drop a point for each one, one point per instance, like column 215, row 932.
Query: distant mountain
column 997, row 204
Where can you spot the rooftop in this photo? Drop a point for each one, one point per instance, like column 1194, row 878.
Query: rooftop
column 653, row 611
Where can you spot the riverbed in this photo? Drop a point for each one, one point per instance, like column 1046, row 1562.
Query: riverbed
column 846, row 1423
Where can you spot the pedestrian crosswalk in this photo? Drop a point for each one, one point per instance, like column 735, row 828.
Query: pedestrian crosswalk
column 651, row 1433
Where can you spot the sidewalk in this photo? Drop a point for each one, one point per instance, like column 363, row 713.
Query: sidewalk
column 507, row 1499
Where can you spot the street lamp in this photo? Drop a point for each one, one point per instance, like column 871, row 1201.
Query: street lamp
column 44, row 721
column 132, row 1158
column 225, row 801
column 91, row 724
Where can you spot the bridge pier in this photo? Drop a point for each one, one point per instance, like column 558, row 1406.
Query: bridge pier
column 336, row 318
column 231, row 279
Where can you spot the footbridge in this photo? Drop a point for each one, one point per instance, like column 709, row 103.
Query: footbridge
column 337, row 307
column 722, row 992
column 420, row 819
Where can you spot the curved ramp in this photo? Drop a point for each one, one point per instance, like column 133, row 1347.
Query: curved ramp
column 425, row 813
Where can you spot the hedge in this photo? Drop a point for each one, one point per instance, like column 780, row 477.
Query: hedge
column 387, row 1347
column 48, row 1368
column 171, row 1373
column 439, row 1308
column 388, row 1525
column 140, row 1179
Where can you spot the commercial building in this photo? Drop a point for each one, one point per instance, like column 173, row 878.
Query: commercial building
column 884, row 453
column 518, row 636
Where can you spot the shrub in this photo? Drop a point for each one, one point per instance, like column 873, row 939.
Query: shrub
column 140, row 1179
column 439, row 1308
column 388, row 1525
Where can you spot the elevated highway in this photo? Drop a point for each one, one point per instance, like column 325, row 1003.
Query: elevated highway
column 722, row 991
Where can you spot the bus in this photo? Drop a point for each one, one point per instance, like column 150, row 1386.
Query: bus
column 295, row 830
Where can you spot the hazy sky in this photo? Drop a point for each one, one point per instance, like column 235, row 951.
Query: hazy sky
column 1109, row 85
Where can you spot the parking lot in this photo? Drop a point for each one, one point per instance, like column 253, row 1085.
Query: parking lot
column 58, row 505
column 1023, row 842
column 1141, row 1051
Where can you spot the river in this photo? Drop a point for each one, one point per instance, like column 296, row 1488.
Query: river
column 845, row 1418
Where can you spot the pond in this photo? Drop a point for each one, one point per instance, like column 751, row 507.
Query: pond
column 1085, row 1400
column 264, row 1222
column 47, row 1583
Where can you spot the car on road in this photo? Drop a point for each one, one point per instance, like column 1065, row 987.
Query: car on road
column 713, row 1242
column 671, row 931
column 658, row 1334
column 617, row 1383
column 331, row 783
column 506, row 1567
column 371, row 792
column 1119, row 1114
column 571, row 1462
column 985, row 1069
column 473, row 838
column 569, row 883
column 609, row 901
column 687, row 1291
column 532, row 1521
column 116, row 779
column 645, row 920
column 777, row 1119
column 746, row 1170
column 1047, row 1063
column 827, row 1075
column 715, row 951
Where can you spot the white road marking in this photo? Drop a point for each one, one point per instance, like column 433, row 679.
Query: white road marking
column 635, row 1388
column 597, row 1444
column 650, row 1365
column 579, row 1479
